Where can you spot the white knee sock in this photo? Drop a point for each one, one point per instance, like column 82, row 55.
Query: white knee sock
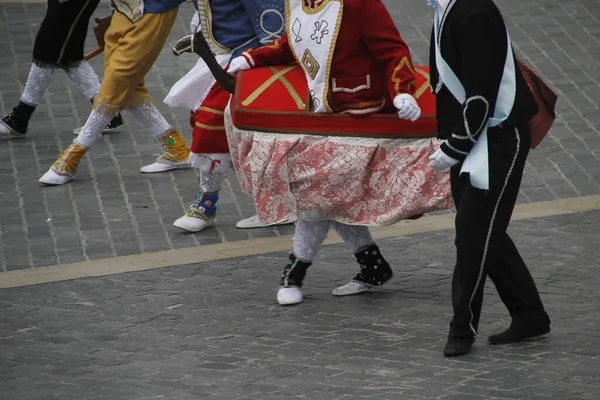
column 308, row 237
column 212, row 173
column 151, row 119
column 37, row 82
column 92, row 129
column 356, row 237
column 85, row 78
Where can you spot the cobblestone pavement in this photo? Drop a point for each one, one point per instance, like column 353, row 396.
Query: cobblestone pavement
column 110, row 209
column 213, row 331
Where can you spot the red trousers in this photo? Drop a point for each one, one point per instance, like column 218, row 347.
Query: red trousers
column 208, row 123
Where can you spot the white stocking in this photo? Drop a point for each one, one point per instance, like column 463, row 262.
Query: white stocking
column 85, row 78
column 308, row 238
column 92, row 129
column 151, row 119
column 212, row 172
column 37, row 82
column 356, row 237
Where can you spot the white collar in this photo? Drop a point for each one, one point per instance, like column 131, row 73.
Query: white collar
column 443, row 4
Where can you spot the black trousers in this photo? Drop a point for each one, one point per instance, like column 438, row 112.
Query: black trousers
column 482, row 243
column 61, row 37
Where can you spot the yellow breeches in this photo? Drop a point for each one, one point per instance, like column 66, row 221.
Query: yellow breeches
column 130, row 51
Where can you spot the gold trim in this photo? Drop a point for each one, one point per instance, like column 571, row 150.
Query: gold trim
column 260, row 90
column 319, row 8
column 397, row 81
column 211, row 110
column 291, row 90
column 210, row 128
column 424, row 86
column 310, row 11
column 206, row 26
column 362, row 104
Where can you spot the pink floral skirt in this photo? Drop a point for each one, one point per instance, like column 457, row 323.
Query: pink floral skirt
column 355, row 181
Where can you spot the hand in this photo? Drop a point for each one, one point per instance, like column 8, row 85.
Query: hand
column 238, row 64
column 185, row 45
column 407, row 107
column 441, row 161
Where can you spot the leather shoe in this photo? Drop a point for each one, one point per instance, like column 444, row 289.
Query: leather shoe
column 514, row 335
column 455, row 347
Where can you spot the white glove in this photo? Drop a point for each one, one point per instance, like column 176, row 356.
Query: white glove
column 238, row 64
column 195, row 23
column 441, row 161
column 407, row 107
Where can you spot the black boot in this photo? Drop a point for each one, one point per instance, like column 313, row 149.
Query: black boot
column 457, row 347
column 374, row 270
column 291, row 281
column 17, row 121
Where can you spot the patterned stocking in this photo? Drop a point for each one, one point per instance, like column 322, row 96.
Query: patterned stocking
column 86, row 79
column 37, row 82
column 356, row 237
column 151, row 119
column 92, row 129
column 308, row 238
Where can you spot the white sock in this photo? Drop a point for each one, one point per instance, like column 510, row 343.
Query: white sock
column 308, row 237
column 37, row 82
column 85, row 78
column 356, row 237
column 92, row 129
column 151, row 119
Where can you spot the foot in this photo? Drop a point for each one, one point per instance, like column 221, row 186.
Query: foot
column 163, row 164
column 455, row 347
column 351, row 288
column 287, row 296
column 374, row 269
column 52, row 178
column 254, row 222
column 514, row 335
column 192, row 224
column 13, row 125
column 112, row 126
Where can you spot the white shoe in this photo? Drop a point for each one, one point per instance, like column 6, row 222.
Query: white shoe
column 5, row 130
column 351, row 288
column 162, row 165
column 52, row 178
column 289, row 295
column 254, row 222
column 192, row 224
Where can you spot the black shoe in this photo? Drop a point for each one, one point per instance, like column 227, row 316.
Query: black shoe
column 514, row 334
column 374, row 270
column 13, row 124
column 114, row 123
column 456, row 347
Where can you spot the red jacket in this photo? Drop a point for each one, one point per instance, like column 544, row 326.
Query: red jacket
column 371, row 62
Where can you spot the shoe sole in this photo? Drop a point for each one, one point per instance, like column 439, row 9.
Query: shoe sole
column 544, row 332
column 173, row 168
column 193, row 231
column 289, row 221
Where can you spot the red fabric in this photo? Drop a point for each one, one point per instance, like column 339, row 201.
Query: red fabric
column 275, row 110
column 205, row 140
column 368, row 43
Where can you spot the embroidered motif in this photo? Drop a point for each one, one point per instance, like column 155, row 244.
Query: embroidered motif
column 296, row 30
column 314, row 100
column 271, row 34
column 320, row 31
column 310, row 63
column 404, row 63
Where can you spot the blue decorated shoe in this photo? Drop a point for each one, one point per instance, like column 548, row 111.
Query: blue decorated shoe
column 200, row 214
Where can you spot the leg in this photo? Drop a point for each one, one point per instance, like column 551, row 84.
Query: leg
column 133, row 49
column 481, row 223
column 202, row 212
column 518, row 292
column 308, row 238
column 374, row 269
column 17, row 121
